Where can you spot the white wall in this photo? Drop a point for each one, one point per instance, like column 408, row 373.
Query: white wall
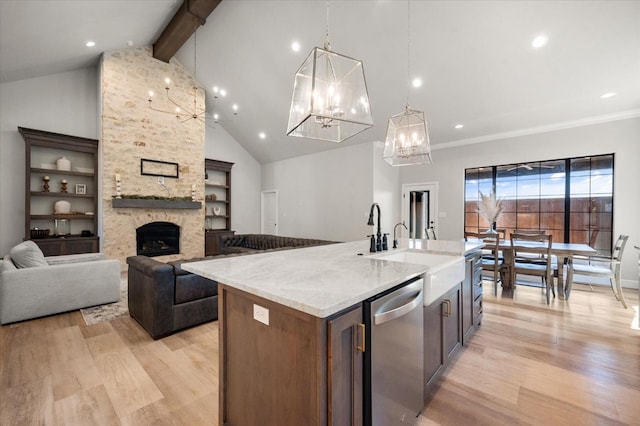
column 61, row 103
column 245, row 179
column 325, row 195
column 620, row 137
column 387, row 191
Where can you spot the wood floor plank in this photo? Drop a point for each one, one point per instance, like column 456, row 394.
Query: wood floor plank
column 545, row 410
column 87, row 407
column 126, row 382
column 27, row 403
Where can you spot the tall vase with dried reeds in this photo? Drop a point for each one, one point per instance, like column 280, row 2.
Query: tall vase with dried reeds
column 490, row 207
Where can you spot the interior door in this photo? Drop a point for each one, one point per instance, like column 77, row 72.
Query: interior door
column 269, row 212
column 420, row 208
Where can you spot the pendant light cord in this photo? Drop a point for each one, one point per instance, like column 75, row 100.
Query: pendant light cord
column 195, row 49
column 327, row 45
column 408, row 50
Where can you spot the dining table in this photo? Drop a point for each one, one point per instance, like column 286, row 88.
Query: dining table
column 564, row 253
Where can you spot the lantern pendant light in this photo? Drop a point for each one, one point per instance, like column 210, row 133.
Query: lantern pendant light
column 330, row 100
column 407, row 140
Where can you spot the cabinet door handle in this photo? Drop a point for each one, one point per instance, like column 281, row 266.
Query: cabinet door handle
column 361, row 347
column 447, row 311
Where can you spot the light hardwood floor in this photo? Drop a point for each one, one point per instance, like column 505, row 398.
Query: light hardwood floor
column 570, row 363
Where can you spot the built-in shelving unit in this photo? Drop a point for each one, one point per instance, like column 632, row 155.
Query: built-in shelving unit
column 217, row 202
column 68, row 233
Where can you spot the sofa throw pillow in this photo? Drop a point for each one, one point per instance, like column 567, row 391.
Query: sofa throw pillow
column 27, row 255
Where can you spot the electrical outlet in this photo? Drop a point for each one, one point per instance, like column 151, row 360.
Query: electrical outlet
column 261, row 314
column 161, row 180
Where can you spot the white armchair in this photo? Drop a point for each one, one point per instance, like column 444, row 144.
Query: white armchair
column 66, row 283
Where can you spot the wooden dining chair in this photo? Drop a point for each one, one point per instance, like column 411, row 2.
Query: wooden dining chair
column 526, row 247
column 610, row 271
column 502, row 235
column 492, row 262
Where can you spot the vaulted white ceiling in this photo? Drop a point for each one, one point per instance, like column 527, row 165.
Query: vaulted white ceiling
column 475, row 58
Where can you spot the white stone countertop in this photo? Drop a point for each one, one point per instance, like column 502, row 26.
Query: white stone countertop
column 322, row 280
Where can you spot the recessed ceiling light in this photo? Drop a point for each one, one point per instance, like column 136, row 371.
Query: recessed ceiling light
column 539, row 41
column 235, row 109
column 608, row 95
column 218, row 92
column 417, row 82
column 90, row 43
column 262, row 135
column 459, row 126
column 295, row 46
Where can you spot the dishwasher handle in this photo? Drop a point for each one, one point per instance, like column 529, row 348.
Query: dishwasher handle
column 382, row 317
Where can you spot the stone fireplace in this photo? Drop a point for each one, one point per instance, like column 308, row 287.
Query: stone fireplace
column 132, row 132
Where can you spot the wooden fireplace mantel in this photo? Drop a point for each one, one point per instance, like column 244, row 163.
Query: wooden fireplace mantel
column 139, row 203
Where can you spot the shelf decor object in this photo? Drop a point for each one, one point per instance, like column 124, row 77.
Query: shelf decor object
column 45, row 184
column 407, row 140
column 118, row 186
column 330, row 101
column 63, row 163
column 62, row 207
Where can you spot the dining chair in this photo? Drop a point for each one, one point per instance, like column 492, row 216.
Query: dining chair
column 532, row 258
column 610, row 271
column 526, row 247
column 492, row 262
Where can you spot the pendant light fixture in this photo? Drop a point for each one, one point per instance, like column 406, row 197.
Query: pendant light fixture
column 407, row 140
column 196, row 111
column 183, row 114
column 330, row 100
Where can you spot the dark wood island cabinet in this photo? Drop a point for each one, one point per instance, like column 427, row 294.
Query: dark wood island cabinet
column 296, row 370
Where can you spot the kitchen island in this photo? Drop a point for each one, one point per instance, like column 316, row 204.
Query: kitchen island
column 292, row 331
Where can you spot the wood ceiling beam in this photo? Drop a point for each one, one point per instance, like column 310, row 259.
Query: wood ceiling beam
column 190, row 15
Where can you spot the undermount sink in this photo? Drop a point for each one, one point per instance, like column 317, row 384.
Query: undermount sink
column 444, row 271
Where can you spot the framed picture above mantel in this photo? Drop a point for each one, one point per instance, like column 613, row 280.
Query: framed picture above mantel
column 158, row 168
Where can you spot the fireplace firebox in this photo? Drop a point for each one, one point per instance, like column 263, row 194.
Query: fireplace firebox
column 158, row 239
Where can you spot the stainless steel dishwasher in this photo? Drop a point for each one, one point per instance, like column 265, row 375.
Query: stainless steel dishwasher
column 394, row 361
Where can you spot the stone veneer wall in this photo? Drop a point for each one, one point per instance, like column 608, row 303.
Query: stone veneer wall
column 131, row 131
